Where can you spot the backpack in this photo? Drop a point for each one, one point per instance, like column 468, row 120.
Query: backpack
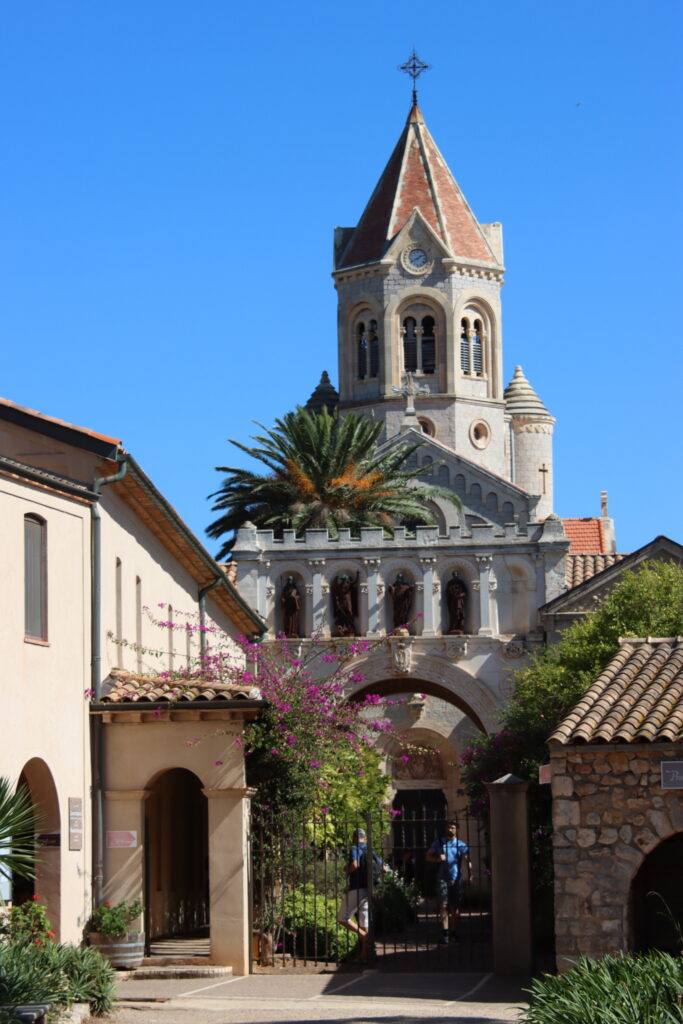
column 376, row 867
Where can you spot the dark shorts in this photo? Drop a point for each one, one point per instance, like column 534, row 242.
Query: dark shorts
column 448, row 893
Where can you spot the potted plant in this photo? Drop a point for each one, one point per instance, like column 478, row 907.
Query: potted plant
column 110, row 934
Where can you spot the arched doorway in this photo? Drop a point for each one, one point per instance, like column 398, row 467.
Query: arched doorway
column 37, row 779
column 176, row 856
column 657, row 898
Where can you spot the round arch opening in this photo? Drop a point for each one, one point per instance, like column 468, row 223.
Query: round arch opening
column 657, row 899
column 176, row 857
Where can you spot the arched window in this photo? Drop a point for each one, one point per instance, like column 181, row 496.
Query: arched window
column 35, row 578
column 428, row 345
column 410, row 344
column 427, row 466
column 472, row 346
column 362, row 345
column 418, row 330
column 373, row 349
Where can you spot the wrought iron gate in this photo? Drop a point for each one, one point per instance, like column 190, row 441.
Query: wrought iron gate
column 298, row 880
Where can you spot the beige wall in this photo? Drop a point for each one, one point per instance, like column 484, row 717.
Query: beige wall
column 45, row 713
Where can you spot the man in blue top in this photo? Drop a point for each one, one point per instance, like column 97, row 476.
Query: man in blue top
column 449, row 853
column 355, row 899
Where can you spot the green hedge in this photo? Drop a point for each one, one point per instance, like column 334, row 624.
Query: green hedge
column 622, row 989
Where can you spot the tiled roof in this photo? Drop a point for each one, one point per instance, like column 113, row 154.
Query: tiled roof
column 580, row 568
column 586, row 536
column 128, row 687
column 417, row 176
column 637, row 699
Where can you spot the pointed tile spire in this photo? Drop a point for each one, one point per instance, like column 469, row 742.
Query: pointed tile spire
column 417, row 176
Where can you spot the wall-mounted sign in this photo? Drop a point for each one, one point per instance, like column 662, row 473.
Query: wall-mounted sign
column 122, row 840
column 544, row 774
column 75, row 823
column 48, row 839
column 672, row 774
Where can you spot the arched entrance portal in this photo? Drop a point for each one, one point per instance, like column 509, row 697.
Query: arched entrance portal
column 176, row 856
column 657, row 898
column 37, row 778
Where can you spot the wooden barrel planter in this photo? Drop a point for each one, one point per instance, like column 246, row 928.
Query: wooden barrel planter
column 126, row 951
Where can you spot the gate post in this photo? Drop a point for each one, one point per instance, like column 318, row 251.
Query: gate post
column 510, row 875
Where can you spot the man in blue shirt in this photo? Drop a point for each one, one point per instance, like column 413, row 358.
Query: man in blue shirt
column 448, row 853
column 355, row 899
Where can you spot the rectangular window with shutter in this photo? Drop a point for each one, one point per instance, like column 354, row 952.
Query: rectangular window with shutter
column 35, row 578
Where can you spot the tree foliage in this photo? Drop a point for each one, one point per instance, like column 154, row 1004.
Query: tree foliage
column 18, row 825
column 324, row 471
column 647, row 602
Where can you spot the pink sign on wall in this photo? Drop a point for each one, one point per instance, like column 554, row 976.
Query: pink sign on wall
column 122, row 840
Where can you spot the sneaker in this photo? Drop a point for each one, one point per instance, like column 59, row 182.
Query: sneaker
column 443, row 941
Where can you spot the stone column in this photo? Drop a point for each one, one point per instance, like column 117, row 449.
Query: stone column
column 124, row 864
column 428, row 618
column 485, row 627
column 262, row 589
column 229, row 877
column 318, row 609
column 510, row 875
column 373, row 566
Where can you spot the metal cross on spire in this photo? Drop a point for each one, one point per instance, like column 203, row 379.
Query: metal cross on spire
column 414, row 67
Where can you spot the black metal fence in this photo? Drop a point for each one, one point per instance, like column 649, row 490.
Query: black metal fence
column 298, row 879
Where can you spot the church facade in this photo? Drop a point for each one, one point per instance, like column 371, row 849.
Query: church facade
column 450, row 610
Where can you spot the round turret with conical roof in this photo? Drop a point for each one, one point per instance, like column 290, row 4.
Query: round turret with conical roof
column 531, row 438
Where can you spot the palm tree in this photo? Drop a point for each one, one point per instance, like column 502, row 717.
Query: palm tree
column 324, row 472
column 18, row 824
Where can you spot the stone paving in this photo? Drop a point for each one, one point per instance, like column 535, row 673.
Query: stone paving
column 366, row 997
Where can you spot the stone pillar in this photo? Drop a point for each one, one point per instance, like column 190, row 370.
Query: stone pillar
column 428, row 618
column 262, row 590
column 485, row 627
column 229, row 878
column 124, row 864
column 318, row 609
column 510, row 875
column 373, row 566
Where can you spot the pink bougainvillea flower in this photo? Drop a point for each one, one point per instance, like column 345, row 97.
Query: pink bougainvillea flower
column 218, row 763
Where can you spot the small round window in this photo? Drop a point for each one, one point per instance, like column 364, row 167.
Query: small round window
column 428, row 427
column 480, row 434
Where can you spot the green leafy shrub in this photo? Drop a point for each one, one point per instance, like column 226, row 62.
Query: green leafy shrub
column 26, row 924
column 54, row 973
column 622, row 989
column 113, row 919
column 394, row 903
column 311, row 927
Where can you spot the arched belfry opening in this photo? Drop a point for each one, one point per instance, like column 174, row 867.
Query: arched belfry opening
column 657, row 899
column 37, row 779
column 177, row 857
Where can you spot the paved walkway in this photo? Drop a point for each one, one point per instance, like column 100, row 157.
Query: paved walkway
column 366, row 997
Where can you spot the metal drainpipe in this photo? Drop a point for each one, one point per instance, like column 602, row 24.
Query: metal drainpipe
column 97, row 735
column 202, row 616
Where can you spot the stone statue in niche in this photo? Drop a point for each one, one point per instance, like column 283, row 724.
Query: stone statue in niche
column 290, row 603
column 345, row 604
column 456, row 603
column 402, row 597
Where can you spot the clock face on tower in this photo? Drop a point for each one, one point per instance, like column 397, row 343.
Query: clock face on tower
column 415, row 260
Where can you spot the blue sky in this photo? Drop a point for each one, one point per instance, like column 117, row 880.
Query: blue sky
column 172, row 173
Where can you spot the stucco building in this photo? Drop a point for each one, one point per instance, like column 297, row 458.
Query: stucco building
column 92, row 555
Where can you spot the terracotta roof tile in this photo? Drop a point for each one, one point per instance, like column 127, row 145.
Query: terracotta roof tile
column 128, row 687
column 580, row 568
column 637, row 699
column 417, row 176
column 586, row 536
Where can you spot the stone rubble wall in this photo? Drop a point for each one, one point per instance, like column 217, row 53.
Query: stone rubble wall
column 609, row 812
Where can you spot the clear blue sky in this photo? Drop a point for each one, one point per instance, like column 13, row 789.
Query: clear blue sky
column 172, row 173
